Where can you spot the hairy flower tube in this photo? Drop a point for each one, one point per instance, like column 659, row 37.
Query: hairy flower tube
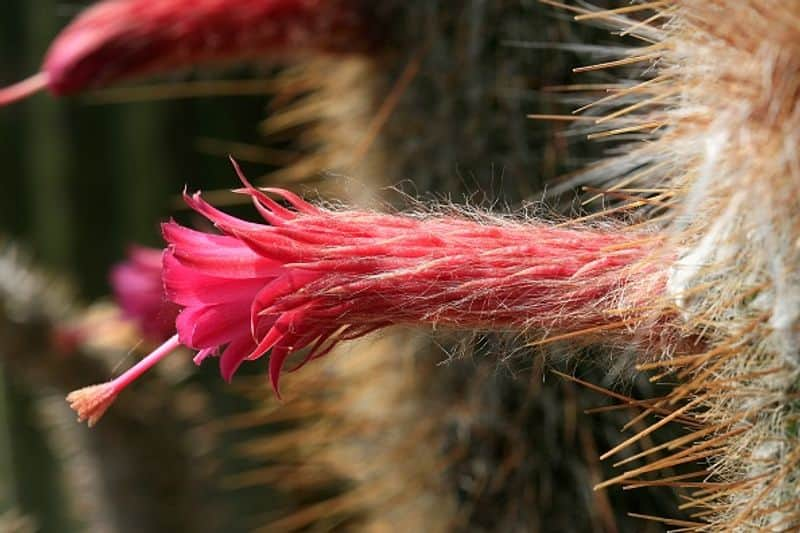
column 307, row 278
column 119, row 39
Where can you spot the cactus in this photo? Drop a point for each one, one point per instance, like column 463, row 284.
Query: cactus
column 701, row 84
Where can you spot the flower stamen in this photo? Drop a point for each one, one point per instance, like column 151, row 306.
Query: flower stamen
column 92, row 402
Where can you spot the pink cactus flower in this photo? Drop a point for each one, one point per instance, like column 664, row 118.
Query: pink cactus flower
column 115, row 40
column 139, row 291
column 307, row 278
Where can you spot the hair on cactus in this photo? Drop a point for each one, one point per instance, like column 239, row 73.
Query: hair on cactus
column 708, row 130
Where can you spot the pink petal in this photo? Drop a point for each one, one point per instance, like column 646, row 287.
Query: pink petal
column 202, row 355
column 212, row 325
column 188, row 286
column 291, row 281
column 233, row 356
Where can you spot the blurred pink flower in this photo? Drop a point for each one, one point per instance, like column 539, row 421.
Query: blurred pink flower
column 115, row 40
column 139, row 291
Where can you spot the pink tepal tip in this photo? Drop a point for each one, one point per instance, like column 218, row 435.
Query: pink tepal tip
column 23, row 89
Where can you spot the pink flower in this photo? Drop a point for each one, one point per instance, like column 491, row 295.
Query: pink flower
column 119, row 39
column 139, row 291
column 309, row 278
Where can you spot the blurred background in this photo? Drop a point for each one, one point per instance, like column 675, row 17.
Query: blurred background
column 83, row 179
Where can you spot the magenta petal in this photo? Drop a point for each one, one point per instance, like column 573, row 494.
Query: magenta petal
column 320, row 336
column 225, row 265
column 273, row 336
column 282, row 332
column 291, row 281
column 276, row 360
column 225, row 222
column 233, row 356
column 202, row 355
column 295, row 201
column 181, row 236
column 272, row 211
column 215, row 255
column 270, row 244
column 212, row 325
column 190, row 287
column 290, row 342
